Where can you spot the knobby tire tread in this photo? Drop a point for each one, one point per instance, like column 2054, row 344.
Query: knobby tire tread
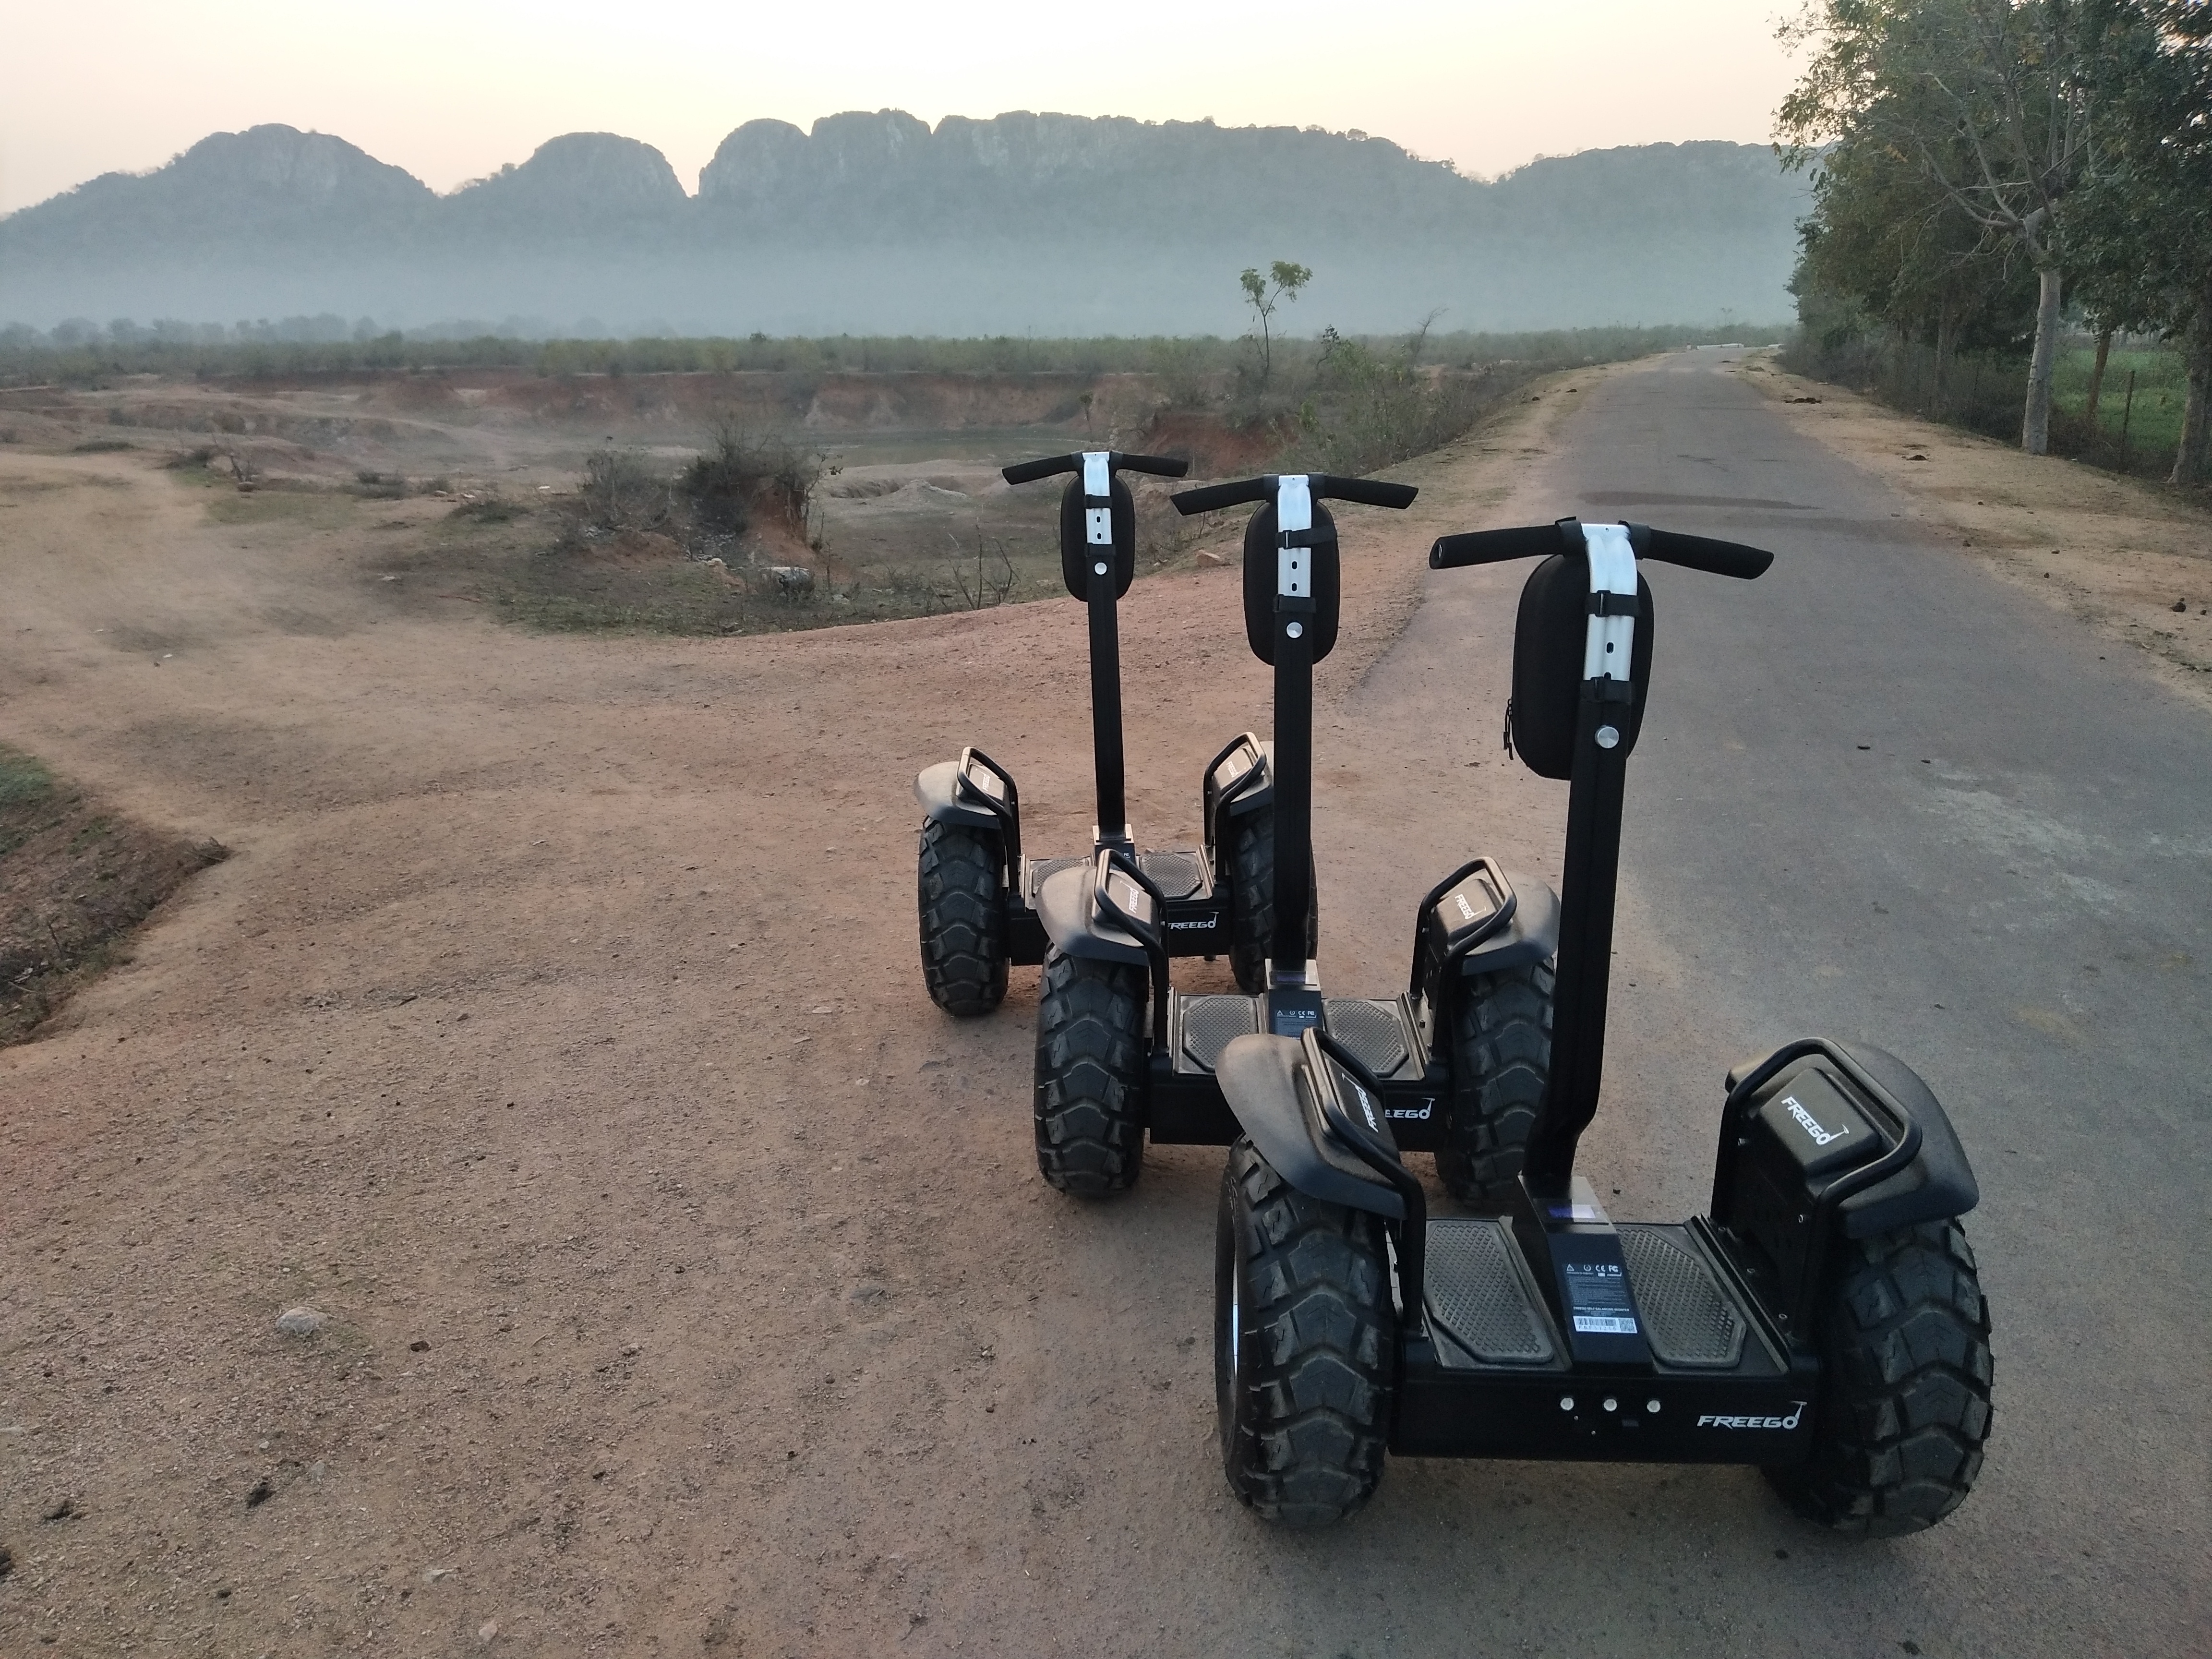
column 1252, row 900
column 961, row 895
column 1306, row 1418
column 1501, row 1064
column 1092, row 1020
column 1905, row 1394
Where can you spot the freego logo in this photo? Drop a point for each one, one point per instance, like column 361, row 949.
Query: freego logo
column 1812, row 1125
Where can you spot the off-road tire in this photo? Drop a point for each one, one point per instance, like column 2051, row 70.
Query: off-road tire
column 1904, row 1388
column 1252, row 900
column 1304, row 1346
column 1093, row 1018
column 960, row 890
column 1501, row 1062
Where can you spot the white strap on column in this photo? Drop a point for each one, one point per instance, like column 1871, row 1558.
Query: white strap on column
column 1612, row 639
column 1293, row 512
column 1097, row 480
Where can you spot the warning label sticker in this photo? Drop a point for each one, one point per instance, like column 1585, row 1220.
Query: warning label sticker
column 1597, row 1298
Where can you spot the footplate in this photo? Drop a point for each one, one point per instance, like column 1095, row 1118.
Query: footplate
column 1198, row 912
column 1186, row 1107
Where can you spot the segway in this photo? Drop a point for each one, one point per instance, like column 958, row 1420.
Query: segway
column 1823, row 1320
column 1461, row 1055
column 978, row 890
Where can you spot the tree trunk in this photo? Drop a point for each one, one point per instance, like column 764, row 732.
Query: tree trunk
column 1946, row 346
column 2192, row 460
column 2097, row 378
column 2035, row 424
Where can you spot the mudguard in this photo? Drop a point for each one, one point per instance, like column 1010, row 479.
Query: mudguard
column 1937, row 1185
column 950, row 798
column 1531, row 935
column 1068, row 908
column 1267, row 1085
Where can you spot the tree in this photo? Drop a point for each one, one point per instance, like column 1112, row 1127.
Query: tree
column 1988, row 100
column 1884, row 239
column 1263, row 294
column 2144, row 238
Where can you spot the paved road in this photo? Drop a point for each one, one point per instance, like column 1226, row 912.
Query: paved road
column 1879, row 795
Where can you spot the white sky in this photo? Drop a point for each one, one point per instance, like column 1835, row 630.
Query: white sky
column 451, row 90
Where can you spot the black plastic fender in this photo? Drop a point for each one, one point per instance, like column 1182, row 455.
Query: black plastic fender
column 937, row 789
column 1260, row 1078
column 1071, row 919
column 1938, row 1184
column 1531, row 935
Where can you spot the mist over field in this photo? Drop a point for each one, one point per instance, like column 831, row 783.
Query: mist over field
column 876, row 223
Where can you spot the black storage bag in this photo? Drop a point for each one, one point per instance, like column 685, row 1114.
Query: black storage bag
column 1549, row 637
column 1076, row 555
column 1260, row 571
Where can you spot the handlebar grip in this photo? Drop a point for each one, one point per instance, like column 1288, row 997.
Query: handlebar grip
column 1717, row 558
column 1208, row 497
column 1022, row 472
column 1166, row 467
column 1368, row 492
column 1535, row 541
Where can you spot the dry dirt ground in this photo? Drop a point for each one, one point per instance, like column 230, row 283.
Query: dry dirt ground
column 556, row 1030
column 2130, row 559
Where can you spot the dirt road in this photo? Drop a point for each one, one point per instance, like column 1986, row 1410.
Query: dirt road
column 556, row 1030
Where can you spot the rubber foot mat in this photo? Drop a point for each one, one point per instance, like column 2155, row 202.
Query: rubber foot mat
column 1477, row 1295
column 1177, row 875
column 1209, row 1022
column 1688, row 1318
column 1372, row 1030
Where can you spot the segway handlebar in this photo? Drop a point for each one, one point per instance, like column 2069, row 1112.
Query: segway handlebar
column 1166, row 467
column 1538, row 541
column 1368, row 492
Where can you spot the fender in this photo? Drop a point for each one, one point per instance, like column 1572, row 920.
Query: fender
column 1267, row 1085
column 1531, row 935
column 1238, row 781
column 1938, row 1185
column 1067, row 908
column 950, row 798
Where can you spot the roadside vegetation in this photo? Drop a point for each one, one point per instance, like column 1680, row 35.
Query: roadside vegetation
column 2012, row 224
column 76, row 880
column 90, row 357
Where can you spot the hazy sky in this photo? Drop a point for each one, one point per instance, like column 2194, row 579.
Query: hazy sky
column 451, row 90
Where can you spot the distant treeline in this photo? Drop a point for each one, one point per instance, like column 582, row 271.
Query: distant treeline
column 79, row 356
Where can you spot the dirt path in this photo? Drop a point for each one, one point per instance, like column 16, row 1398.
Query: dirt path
column 556, row 1030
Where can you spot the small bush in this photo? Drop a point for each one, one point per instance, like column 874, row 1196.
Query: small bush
column 100, row 446
column 743, row 473
column 621, row 493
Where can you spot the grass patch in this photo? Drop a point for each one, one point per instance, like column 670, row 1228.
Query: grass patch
column 75, row 880
column 100, row 446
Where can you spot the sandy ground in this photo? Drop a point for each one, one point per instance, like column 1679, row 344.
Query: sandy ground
column 2120, row 554
column 556, row 1030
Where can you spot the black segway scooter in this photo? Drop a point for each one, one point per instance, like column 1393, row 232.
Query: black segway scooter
column 1823, row 1321
column 1459, row 1056
column 977, row 892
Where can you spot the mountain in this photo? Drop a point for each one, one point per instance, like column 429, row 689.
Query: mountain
column 876, row 223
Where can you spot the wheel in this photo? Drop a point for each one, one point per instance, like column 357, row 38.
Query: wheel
column 1252, row 900
column 961, row 893
column 1089, row 1103
column 1304, row 1340
column 1501, row 1062
column 1904, row 1389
